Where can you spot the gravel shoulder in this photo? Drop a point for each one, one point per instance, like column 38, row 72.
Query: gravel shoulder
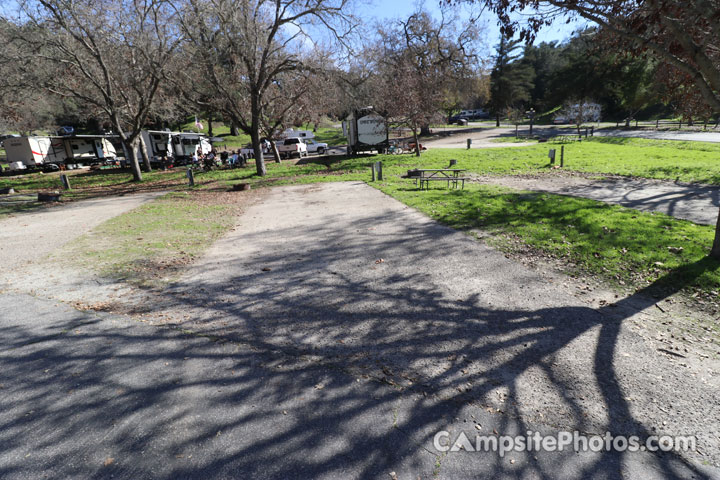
column 697, row 203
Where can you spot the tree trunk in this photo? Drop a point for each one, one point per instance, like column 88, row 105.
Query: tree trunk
column 131, row 157
column 417, row 142
column 143, row 152
column 497, row 120
column 715, row 252
column 234, row 130
column 425, row 130
column 210, row 132
column 276, row 152
column 255, row 134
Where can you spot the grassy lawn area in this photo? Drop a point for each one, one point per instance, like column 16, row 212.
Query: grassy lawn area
column 611, row 242
column 148, row 246
column 330, row 135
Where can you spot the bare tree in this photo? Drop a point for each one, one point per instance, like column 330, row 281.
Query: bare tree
column 109, row 55
column 245, row 46
column 417, row 59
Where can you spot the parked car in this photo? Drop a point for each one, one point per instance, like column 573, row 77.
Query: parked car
column 477, row 114
column 315, row 147
column 291, row 147
column 248, row 151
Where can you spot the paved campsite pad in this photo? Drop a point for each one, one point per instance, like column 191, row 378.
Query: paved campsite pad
column 351, row 279
column 697, row 203
column 344, row 330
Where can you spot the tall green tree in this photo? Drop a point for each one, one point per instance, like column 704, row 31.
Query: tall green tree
column 511, row 79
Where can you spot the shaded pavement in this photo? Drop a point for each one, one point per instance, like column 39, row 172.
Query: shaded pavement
column 332, row 335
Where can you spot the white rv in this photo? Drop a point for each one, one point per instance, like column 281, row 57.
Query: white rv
column 34, row 152
column 292, row 133
column 87, row 148
column 184, row 144
column 366, row 130
column 178, row 146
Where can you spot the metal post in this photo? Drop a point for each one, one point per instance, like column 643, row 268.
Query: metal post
column 190, row 177
column 65, row 181
column 562, row 156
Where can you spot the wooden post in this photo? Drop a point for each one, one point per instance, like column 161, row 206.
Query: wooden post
column 65, row 181
column 379, row 168
column 592, row 131
column 190, row 177
column 372, row 170
column 551, row 156
column 469, row 142
column 562, row 156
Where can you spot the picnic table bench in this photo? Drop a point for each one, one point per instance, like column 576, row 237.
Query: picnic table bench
column 449, row 175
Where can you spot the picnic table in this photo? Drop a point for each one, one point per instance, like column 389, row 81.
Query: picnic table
column 450, row 175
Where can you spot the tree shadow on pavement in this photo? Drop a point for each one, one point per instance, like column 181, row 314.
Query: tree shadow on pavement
column 319, row 360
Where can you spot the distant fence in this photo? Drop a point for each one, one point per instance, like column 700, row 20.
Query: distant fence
column 657, row 124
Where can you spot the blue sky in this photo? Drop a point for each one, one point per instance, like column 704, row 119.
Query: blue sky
column 379, row 10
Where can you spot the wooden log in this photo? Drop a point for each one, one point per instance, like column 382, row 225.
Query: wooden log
column 49, row 196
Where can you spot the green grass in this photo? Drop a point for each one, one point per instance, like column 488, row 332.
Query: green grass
column 147, row 246
column 612, row 242
column 219, row 130
column 514, row 140
column 330, row 135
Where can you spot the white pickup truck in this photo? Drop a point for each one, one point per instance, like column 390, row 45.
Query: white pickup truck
column 291, row 147
column 315, row 147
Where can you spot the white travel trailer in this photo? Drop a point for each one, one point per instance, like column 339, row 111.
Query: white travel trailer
column 33, row 152
column 184, row 144
column 38, row 152
column 292, row 133
column 87, row 148
column 178, row 146
column 366, row 130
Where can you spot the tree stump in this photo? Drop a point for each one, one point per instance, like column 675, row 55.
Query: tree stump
column 49, row 196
